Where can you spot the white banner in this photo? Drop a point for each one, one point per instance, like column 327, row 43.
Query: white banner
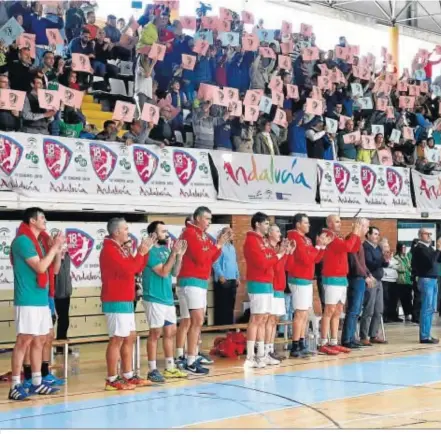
column 427, row 190
column 89, row 172
column 84, row 241
column 360, row 185
column 262, row 178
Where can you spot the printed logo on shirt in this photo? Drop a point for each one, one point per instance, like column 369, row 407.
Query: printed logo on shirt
column 368, row 179
column 103, row 160
column 79, row 246
column 185, row 166
column 146, row 163
column 394, row 181
column 341, row 177
column 10, row 154
column 57, row 157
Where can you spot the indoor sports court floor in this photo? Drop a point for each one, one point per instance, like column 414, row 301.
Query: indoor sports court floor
column 389, row 386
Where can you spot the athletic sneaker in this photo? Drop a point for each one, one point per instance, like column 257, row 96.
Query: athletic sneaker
column 181, row 362
column 255, row 362
column 138, row 381
column 271, row 362
column 53, row 380
column 327, row 350
column 277, row 356
column 119, row 384
column 155, row 377
column 340, row 349
column 203, row 359
column 27, row 384
column 196, row 369
column 298, row 354
column 18, row 393
column 174, row 373
column 43, row 389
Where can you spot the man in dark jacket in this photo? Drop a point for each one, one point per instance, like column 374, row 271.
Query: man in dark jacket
column 63, row 292
column 9, row 119
column 425, row 267
column 373, row 298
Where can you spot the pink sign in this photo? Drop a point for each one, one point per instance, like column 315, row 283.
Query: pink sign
column 314, row 106
column 354, row 50
column 71, row 97
column 27, row 40
column 188, row 23
column 402, row 86
column 368, row 142
column 220, row 97
column 124, row 111
column 292, row 91
column 54, row 37
column 188, row 62
column 407, row 102
column 316, row 93
column 277, row 98
column 247, row 17
column 280, row 118
column 209, row 23
column 267, row 52
column 309, row 54
column 414, row 90
column 287, row 47
column 408, row 133
column 252, row 98
column 224, row 26
column 201, row 47
column 251, row 113
column 306, row 30
column 285, row 62
column 232, row 94
column 352, row 138
column 424, row 87
column 390, row 112
column 81, row 63
column 342, row 121
column 12, row 99
column 235, row 108
column 157, row 52
column 49, row 99
column 341, row 52
column 276, row 84
column 206, row 92
column 150, row 113
column 286, row 28
column 250, row 42
column 225, row 14
column 381, row 104
column 385, row 157
column 323, row 82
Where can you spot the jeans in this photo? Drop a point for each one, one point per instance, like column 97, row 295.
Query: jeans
column 99, row 68
column 429, row 294
column 372, row 311
column 288, row 315
column 357, row 288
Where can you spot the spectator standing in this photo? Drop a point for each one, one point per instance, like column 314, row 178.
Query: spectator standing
column 425, row 260
column 404, row 281
column 390, row 293
column 226, row 281
column 91, row 26
column 75, row 20
column 9, row 119
column 20, row 71
column 266, row 142
column 63, row 292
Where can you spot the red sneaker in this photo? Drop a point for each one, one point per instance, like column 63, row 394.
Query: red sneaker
column 119, row 384
column 327, row 350
column 340, row 349
column 139, row 382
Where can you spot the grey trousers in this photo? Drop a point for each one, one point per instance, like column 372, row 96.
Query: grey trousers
column 372, row 311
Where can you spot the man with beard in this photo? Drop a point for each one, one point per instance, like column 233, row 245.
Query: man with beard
column 159, row 306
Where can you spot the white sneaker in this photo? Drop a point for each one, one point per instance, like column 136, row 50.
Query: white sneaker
column 250, row 363
column 260, row 362
column 270, row 361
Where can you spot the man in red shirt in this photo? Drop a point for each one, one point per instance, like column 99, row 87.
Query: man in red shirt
column 193, row 279
column 118, row 268
column 301, row 272
column 334, row 275
column 261, row 259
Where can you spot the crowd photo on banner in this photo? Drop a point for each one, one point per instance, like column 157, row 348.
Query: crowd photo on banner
column 205, row 108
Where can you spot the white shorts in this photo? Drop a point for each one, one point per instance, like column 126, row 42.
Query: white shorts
column 191, row 298
column 159, row 314
column 33, row 320
column 278, row 307
column 335, row 294
column 301, row 296
column 261, row 304
column 120, row 324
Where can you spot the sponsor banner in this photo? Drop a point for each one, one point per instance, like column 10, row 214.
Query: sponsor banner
column 263, row 178
column 87, row 171
column 361, row 185
column 427, row 190
column 84, row 243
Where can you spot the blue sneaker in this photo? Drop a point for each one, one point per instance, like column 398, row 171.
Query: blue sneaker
column 181, row 362
column 196, row 369
column 18, row 393
column 43, row 389
column 27, row 384
column 203, row 359
column 53, row 380
column 155, row 377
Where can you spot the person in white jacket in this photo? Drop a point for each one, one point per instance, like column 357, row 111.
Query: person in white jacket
column 390, row 293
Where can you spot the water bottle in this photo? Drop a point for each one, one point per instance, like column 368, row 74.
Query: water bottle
column 75, row 363
column 312, row 342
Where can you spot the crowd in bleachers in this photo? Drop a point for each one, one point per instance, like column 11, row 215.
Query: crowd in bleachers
column 224, row 81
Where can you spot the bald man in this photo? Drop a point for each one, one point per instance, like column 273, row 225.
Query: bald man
column 334, row 275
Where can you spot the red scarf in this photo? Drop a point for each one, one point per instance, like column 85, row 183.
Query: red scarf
column 44, row 238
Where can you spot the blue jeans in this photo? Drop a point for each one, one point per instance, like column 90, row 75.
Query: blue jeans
column 99, row 68
column 288, row 315
column 429, row 295
column 356, row 290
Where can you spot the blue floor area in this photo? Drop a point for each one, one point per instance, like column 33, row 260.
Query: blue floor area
column 178, row 407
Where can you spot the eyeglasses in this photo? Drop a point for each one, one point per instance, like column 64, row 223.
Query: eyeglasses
column 426, row 233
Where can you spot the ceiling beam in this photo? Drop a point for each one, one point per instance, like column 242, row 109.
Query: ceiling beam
column 417, row 18
column 404, row 8
column 427, row 12
column 388, row 17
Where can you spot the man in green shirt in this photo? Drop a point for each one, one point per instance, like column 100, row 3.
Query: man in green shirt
column 158, row 300
column 35, row 261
